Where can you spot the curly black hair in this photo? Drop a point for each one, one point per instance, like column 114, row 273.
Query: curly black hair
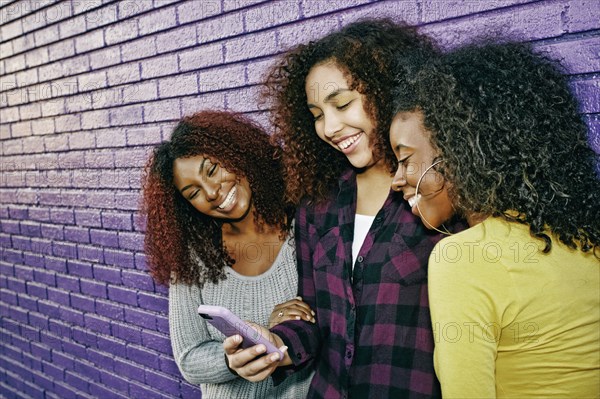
column 363, row 51
column 506, row 124
column 177, row 235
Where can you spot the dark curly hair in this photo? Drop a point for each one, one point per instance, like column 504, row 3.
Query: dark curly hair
column 363, row 51
column 505, row 123
column 177, row 235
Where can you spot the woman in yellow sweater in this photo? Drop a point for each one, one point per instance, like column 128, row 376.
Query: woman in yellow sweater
column 491, row 133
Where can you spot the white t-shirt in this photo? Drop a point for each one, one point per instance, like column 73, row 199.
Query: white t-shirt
column 362, row 224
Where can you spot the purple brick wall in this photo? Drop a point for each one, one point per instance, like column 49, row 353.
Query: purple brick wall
column 88, row 86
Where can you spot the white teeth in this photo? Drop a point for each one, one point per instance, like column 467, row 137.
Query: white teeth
column 413, row 200
column 348, row 142
column 229, row 199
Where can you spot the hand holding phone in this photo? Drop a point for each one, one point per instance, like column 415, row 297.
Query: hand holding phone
column 229, row 324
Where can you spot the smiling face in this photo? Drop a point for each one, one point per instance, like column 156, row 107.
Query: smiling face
column 410, row 142
column 212, row 189
column 340, row 119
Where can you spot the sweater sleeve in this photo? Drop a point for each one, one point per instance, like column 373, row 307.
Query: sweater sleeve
column 466, row 296
column 200, row 358
column 303, row 339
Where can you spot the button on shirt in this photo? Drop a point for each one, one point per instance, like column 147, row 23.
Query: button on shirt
column 373, row 337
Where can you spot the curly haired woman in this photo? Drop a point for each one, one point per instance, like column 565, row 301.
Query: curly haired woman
column 218, row 233
column 492, row 133
column 362, row 255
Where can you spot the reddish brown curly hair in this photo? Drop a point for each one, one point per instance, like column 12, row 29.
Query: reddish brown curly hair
column 177, row 235
column 365, row 52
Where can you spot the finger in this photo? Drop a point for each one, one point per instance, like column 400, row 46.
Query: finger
column 262, row 367
column 303, row 305
column 298, row 313
column 231, row 344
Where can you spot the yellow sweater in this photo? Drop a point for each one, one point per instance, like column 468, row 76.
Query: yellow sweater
column 511, row 321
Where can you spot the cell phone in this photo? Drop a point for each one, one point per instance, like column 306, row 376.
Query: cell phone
column 229, row 324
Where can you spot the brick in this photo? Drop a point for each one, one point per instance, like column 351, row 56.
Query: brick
column 104, row 57
column 101, row 199
column 133, row 241
column 36, row 57
column 145, row 135
column 137, row 280
column 272, row 13
column 58, row 142
column 15, row 63
column 119, row 258
column 437, row 11
column 159, row 66
column 90, row 218
column 82, row 302
column 140, row 318
column 197, row 10
column 126, row 115
column 104, row 238
column 132, row 370
column 107, row 274
column 114, row 381
column 220, row 27
column 291, row 35
column 42, row 126
column 128, row 201
column 121, row 31
column 64, row 250
column 51, row 231
column 55, row 264
column 138, row 49
column 178, row 85
column 82, row 140
column 582, row 15
column 94, row 119
column 107, row 98
column 122, row 295
column 244, row 100
column 125, row 73
column 26, row 77
column 93, row 288
column 214, row 79
column 63, row 49
column 53, row 107
column 92, row 81
column 586, row 91
column 64, row 216
column 176, row 39
column 577, row 56
column 76, row 234
column 144, row 91
column 110, row 138
column 90, row 253
column 157, row 21
column 101, row 16
column 31, row 229
column 67, row 123
column 116, row 221
column 533, row 21
column 252, row 46
column 75, row 65
column 24, row 43
column 165, row 110
column 13, row 29
column 201, row 57
column 158, row 342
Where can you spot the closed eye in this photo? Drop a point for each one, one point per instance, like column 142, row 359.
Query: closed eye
column 344, row 106
column 194, row 194
column 211, row 171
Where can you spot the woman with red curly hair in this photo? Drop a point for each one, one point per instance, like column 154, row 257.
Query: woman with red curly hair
column 218, row 233
column 362, row 255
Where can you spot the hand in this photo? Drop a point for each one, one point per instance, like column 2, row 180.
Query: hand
column 294, row 309
column 250, row 363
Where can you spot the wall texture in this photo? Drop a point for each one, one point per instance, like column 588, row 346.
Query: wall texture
column 88, row 86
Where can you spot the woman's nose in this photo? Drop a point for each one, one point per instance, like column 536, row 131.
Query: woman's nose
column 399, row 180
column 211, row 188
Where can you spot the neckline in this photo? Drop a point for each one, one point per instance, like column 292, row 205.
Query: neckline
column 267, row 272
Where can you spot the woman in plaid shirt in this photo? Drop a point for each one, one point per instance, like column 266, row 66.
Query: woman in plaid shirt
column 362, row 254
